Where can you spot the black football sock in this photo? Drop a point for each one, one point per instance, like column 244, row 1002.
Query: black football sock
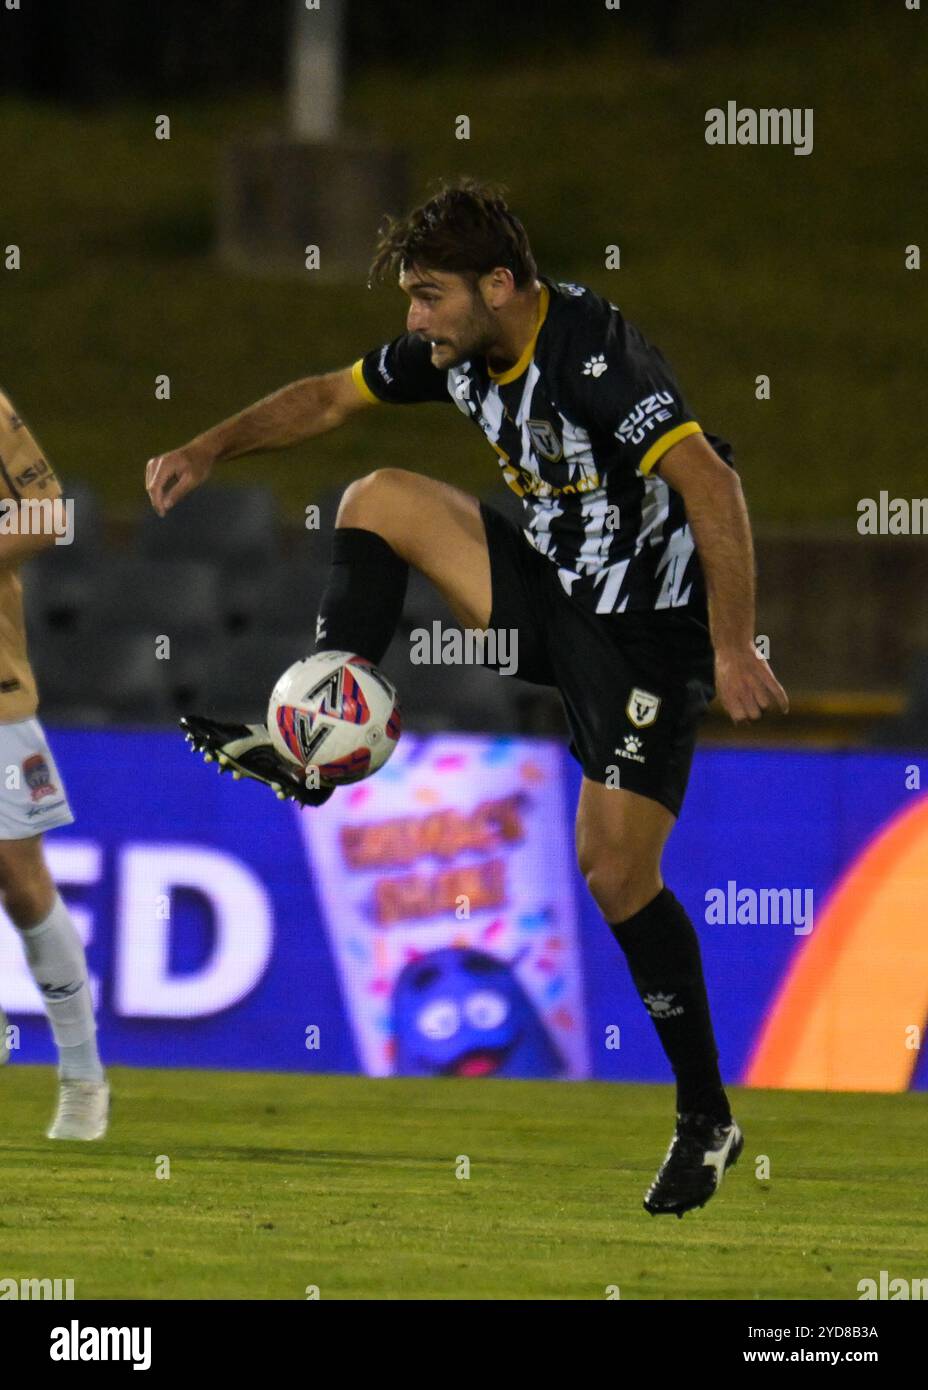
column 662, row 950
column 363, row 597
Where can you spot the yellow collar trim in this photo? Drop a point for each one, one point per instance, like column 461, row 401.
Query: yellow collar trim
column 511, row 373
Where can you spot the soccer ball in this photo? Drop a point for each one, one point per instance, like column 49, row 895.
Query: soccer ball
column 336, row 713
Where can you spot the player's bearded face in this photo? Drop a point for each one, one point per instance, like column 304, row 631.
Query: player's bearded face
column 472, row 334
column 452, row 316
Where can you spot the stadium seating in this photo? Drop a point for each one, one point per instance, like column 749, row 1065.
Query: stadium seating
column 165, row 596
column 58, row 583
column 327, row 502
column 213, row 577
column 89, row 538
column 171, row 608
column 437, row 697
column 236, row 527
column 282, row 599
column 909, row 729
column 57, row 593
column 96, row 678
column 239, row 676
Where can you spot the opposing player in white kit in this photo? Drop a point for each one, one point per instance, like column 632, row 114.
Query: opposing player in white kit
column 33, row 800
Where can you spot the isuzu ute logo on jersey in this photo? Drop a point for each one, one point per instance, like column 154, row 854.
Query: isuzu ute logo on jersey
column 545, row 440
column 644, row 416
column 38, row 470
column 642, row 708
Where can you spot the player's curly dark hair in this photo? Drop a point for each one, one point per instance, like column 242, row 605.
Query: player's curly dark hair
column 465, row 228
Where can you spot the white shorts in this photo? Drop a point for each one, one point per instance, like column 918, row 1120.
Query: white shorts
column 32, row 794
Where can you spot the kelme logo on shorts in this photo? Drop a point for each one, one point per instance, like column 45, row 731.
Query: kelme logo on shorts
column 642, row 708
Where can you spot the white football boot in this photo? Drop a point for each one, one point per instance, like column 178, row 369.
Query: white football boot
column 83, row 1110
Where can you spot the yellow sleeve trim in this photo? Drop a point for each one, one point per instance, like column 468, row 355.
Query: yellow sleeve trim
column 357, row 376
column 660, row 446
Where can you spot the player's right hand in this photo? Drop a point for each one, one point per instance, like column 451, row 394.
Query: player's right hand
column 169, row 477
column 745, row 684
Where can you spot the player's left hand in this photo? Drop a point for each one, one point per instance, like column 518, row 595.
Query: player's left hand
column 745, row 684
column 169, row 477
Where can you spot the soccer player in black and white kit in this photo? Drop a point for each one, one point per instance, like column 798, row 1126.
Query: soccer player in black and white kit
column 630, row 585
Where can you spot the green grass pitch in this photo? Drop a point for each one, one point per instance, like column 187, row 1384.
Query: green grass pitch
column 350, row 1185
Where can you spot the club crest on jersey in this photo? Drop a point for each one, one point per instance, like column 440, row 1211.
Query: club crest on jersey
column 642, row 708
column 545, row 440
column 38, row 777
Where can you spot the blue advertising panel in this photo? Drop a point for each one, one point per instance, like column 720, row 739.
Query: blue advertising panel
column 431, row 920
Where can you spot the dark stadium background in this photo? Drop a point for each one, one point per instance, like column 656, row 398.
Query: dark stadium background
column 736, row 261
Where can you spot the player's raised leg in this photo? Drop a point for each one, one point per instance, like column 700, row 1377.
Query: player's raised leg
column 620, row 842
column 56, row 960
column 387, row 521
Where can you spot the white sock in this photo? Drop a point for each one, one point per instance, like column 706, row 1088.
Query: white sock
column 59, row 967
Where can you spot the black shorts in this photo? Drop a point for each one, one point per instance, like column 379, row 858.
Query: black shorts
column 634, row 685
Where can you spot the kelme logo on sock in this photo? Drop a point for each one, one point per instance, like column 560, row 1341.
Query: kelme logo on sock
column 662, row 1005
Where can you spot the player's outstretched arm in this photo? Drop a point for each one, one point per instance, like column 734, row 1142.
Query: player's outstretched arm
column 305, row 408
column 718, row 518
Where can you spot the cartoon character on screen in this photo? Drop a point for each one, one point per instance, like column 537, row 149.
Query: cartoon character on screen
column 462, row 1012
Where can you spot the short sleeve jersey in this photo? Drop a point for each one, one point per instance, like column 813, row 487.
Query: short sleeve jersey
column 25, row 474
column 578, row 424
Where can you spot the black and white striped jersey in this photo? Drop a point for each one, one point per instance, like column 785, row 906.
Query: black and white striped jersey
column 578, row 424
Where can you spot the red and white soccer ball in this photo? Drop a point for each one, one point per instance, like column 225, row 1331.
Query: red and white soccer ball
column 336, row 713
